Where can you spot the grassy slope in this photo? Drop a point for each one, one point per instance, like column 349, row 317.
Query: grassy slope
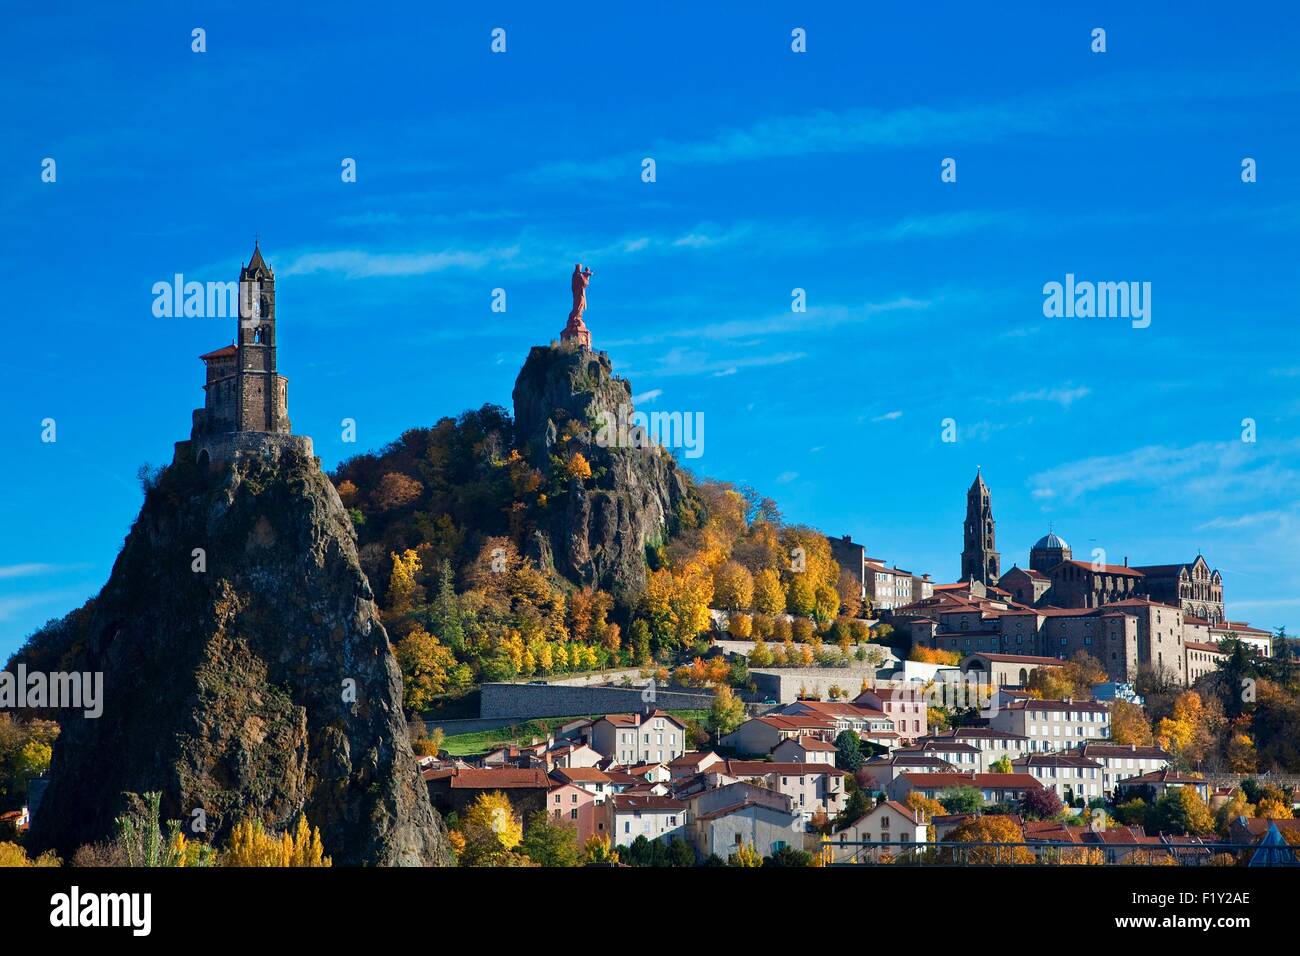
column 461, row 745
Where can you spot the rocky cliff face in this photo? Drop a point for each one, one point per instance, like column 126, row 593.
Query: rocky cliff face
column 261, row 682
column 599, row 534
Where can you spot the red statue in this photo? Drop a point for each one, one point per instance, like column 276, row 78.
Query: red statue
column 576, row 329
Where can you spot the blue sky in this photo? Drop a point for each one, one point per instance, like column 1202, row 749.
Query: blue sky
column 775, row 170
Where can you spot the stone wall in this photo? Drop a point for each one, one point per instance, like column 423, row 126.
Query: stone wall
column 783, row 684
column 526, row 701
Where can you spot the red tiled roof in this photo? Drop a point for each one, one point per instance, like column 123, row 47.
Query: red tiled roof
column 499, row 778
column 580, row 775
column 1121, row 569
column 225, row 351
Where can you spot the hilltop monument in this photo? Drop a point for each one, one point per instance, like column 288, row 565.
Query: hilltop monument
column 576, row 330
column 246, row 404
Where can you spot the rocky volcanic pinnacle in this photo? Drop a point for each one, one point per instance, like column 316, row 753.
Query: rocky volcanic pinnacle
column 262, row 682
column 599, row 537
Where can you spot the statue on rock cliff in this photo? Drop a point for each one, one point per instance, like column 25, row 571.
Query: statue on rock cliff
column 576, row 330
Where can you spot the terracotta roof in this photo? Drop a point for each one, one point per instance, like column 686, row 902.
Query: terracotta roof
column 225, row 351
column 636, row 720
column 902, row 810
column 1202, row 646
column 580, row 775
column 692, row 758
column 1121, row 569
column 499, row 778
column 1018, row 659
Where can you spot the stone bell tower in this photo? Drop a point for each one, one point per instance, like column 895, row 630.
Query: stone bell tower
column 260, row 392
column 980, row 560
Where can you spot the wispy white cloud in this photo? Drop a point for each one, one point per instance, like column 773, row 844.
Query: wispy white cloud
column 1065, row 397
column 358, row 264
column 818, row 318
column 686, row 361
column 647, row 396
column 27, row 570
column 888, row 417
column 1207, row 470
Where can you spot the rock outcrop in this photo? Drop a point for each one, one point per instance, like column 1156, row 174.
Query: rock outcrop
column 245, row 671
column 599, row 534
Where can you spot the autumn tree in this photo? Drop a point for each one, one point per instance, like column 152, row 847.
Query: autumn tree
column 769, row 592
column 426, row 666
column 598, row 850
column 1129, row 724
column 677, row 603
column 403, row 593
column 252, row 844
column 733, row 587
column 726, row 713
column 491, row 830
column 396, row 490
column 1181, row 810
column 992, row 829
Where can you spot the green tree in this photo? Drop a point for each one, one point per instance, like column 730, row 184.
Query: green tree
column 727, row 712
column 848, row 751
column 961, row 799
column 547, row 843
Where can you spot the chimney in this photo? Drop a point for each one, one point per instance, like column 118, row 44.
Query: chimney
column 1126, row 560
column 1132, row 748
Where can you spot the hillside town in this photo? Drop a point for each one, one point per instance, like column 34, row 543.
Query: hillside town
column 955, row 752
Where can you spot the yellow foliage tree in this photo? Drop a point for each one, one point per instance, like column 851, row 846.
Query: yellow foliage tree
column 403, row 593
column 13, row 855
column 745, row 856
column 678, row 603
column 769, row 593
column 251, row 844
column 733, row 587
column 491, row 829
column 1241, row 754
column 425, row 664
column 1129, row 725
column 992, row 829
column 598, row 850
column 579, row 467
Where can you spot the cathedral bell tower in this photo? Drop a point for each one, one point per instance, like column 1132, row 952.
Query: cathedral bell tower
column 261, row 400
column 980, row 560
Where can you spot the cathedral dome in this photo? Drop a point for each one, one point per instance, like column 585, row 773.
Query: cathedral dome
column 1052, row 541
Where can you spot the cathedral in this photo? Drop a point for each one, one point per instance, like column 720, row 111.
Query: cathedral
column 1055, row 579
column 245, row 403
